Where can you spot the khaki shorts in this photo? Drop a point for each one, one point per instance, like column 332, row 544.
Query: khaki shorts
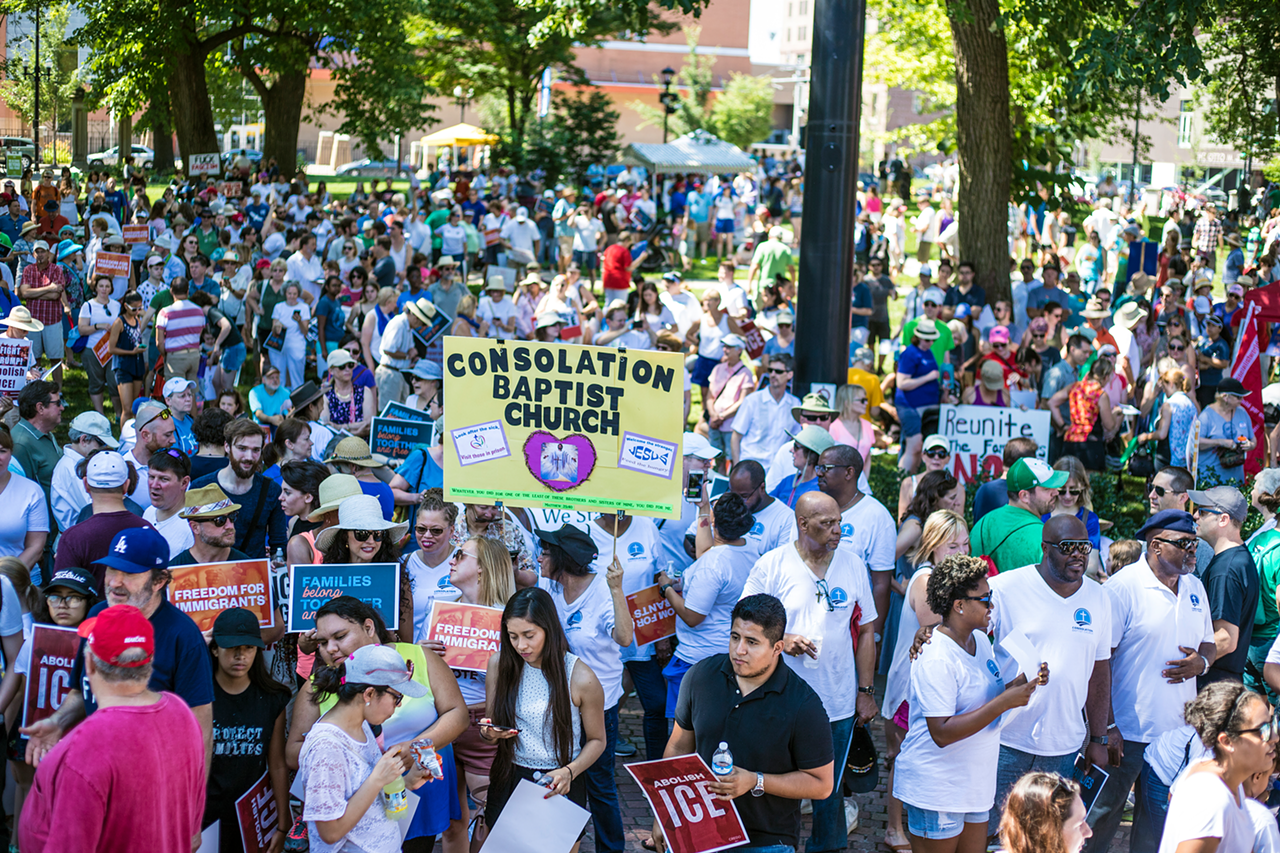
column 703, row 231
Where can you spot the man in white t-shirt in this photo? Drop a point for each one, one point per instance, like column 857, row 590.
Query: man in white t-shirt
column 521, row 238
column 764, row 419
column 1065, row 618
column 821, row 585
column 682, row 304
column 498, row 309
column 168, row 477
column 774, row 520
column 1161, row 641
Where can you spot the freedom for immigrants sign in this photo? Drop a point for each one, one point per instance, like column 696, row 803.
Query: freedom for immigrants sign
column 312, row 586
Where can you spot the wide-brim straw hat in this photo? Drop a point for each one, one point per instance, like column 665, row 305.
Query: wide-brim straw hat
column 335, row 489
column 355, row 451
column 20, row 318
column 362, row 512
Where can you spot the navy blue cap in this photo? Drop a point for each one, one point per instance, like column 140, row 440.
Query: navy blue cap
column 1177, row 520
column 136, row 550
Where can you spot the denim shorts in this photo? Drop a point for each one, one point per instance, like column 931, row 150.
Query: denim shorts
column 910, row 420
column 233, row 357
column 924, row 823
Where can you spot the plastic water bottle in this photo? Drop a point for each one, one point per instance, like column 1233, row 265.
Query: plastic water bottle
column 546, row 780
column 673, row 572
column 722, row 760
column 395, row 799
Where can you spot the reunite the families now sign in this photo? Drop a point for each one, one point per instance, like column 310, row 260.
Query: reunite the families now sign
column 561, row 425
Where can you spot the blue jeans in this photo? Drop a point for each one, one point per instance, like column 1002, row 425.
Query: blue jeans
column 772, row 848
column 830, row 832
column 1108, row 807
column 651, row 688
column 1152, row 800
column 602, row 791
column 1013, row 765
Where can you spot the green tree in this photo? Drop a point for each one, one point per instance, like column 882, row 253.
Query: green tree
column 1241, row 99
column 743, row 113
column 58, row 78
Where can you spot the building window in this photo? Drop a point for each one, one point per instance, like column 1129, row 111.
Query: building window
column 788, row 35
column 804, row 31
column 804, row 7
column 1185, row 114
column 788, row 10
column 800, row 60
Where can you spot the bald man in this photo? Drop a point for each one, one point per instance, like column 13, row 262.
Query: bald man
column 821, row 585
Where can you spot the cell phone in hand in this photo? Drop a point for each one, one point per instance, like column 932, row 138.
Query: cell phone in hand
column 693, row 488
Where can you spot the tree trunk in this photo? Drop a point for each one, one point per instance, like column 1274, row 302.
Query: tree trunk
column 191, row 108
column 983, row 140
column 162, row 131
column 282, row 113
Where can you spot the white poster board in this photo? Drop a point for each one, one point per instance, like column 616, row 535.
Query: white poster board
column 204, row 164
column 985, row 430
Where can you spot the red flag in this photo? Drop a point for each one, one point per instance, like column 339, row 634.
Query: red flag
column 1247, row 368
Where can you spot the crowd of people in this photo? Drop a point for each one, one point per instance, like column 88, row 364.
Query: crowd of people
column 1007, row 648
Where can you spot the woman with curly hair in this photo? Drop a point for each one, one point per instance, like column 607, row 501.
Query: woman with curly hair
column 945, row 775
column 1044, row 814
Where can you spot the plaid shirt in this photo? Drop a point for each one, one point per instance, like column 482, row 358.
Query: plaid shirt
column 47, row 309
column 1208, row 232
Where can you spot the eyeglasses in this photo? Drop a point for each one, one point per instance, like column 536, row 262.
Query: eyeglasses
column 365, row 535
column 1000, row 345
column 1160, row 491
column 824, row 594
column 57, row 402
column 1177, row 349
column 822, row 469
column 1068, row 547
column 65, row 600
column 175, row 452
column 1203, row 510
column 163, row 415
column 423, row 531
column 1036, row 337
column 937, row 453
column 778, row 371
column 459, row 554
column 223, row 520
column 984, row 600
column 1075, row 493
column 399, row 697
column 1188, row 544
column 1267, row 731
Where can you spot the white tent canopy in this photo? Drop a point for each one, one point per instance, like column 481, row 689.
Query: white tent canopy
column 698, row 152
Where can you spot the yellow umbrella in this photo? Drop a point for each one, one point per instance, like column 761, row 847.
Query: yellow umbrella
column 460, row 136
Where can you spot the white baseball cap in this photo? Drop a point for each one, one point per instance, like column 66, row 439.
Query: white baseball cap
column 96, row 425
column 698, row 445
column 177, row 385
column 106, row 470
column 522, row 213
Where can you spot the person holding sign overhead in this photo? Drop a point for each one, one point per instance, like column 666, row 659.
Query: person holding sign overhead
column 481, row 570
column 345, row 626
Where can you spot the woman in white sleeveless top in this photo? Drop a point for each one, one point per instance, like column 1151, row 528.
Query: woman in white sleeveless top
column 545, row 707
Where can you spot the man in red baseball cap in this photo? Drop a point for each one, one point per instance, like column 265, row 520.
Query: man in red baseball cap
column 92, row 790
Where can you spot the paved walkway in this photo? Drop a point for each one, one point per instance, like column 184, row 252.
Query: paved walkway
column 868, row 837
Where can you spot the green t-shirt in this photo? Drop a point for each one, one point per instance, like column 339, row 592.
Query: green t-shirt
column 436, row 219
column 1265, row 549
column 773, row 258
column 1010, row 536
column 940, row 347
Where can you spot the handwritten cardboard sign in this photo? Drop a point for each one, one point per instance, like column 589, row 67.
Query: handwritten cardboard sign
column 654, row 617
column 470, row 633
column 204, row 590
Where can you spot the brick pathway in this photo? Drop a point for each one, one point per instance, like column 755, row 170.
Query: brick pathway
column 868, row 837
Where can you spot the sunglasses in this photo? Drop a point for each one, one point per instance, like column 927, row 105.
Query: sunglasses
column 984, row 600
column 162, row 415
column 366, row 535
column 778, row 371
column 1188, row 544
column 1267, row 731
column 937, row 453
column 223, row 520
column 823, row 469
column 824, row 594
column 805, row 416
column 1000, row 345
column 1177, row 349
column 459, row 554
column 1160, row 491
column 1075, row 493
column 1069, row 547
column 423, row 531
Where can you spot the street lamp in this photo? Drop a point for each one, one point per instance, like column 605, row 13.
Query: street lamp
column 34, row 75
column 462, row 97
column 668, row 99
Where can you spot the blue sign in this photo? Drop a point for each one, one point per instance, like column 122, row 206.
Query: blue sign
column 403, row 412
column 312, row 586
column 396, row 438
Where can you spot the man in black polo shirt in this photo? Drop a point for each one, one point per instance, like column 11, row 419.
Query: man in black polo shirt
column 735, row 698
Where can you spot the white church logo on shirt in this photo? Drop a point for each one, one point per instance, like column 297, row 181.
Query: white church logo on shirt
column 635, row 549
column 574, row 620
column 839, row 598
column 846, row 530
column 1083, row 620
column 757, row 529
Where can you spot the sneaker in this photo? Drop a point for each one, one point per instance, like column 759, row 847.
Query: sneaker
column 624, row 749
column 850, row 815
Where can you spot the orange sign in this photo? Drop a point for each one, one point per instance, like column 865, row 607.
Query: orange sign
column 231, row 189
column 204, row 590
column 653, row 615
column 470, row 633
column 134, row 234
column 111, row 263
column 102, row 348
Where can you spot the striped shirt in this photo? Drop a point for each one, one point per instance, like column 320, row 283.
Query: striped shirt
column 46, row 309
column 183, row 322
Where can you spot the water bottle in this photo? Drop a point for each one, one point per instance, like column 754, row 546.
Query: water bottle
column 395, row 799
column 673, row 572
column 722, row 760
column 544, row 779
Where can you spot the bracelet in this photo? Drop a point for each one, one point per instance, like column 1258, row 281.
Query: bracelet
column 1206, row 666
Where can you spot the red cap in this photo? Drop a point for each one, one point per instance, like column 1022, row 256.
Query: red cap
column 115, row 631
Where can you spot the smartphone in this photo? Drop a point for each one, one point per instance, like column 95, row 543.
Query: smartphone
column 502, row 728
column 635, row 324
column 693, row 488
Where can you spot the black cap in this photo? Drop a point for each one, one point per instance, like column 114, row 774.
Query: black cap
column 577, row 545
column 306, row 393
column 1177, row 520
column 862, row 767
column 1231, row 385
column 237, row 627
column 75, row 579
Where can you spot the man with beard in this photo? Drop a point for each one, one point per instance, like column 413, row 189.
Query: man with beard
column 773, row 521
column 1157, row 606
column 261, row 525
column 1009, row 536
column 1171, row 489
column 154, row 432
column 733, row 697
column 1066, row 620
column 137, row 573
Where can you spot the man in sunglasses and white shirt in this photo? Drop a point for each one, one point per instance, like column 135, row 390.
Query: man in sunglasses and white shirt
column 1170, row 489
column 155, row 431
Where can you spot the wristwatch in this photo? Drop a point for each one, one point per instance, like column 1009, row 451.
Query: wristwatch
column 758, row 790
column 1100, row 741
column 870, row 691
column 662, row 589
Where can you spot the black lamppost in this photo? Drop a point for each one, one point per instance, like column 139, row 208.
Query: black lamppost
column 668, row 99
column 34, row 75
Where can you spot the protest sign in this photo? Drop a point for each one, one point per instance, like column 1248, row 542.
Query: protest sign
column 403, row 412
column 470, row 633
column 102, row 349
column 204, row 590
column 13, row 166
column 396, row 439
column 15, row 356
column 532, row 822
column 654, row 617
column 310, row 586
column 259, row 816
column 53, row 654
column 754, row 338
column 134, row 234
column 232, row 189
column 564, row 426
column 679, row 793
column 204, row 164
column 978, row 435
column 112, row 263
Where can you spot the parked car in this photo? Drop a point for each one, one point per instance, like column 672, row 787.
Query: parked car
column 142, row 156
column 367, row 168
column 229, row 157
column 868, row 180
column 21, row 146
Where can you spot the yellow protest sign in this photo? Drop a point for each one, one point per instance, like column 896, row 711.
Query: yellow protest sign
column 563, row 426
